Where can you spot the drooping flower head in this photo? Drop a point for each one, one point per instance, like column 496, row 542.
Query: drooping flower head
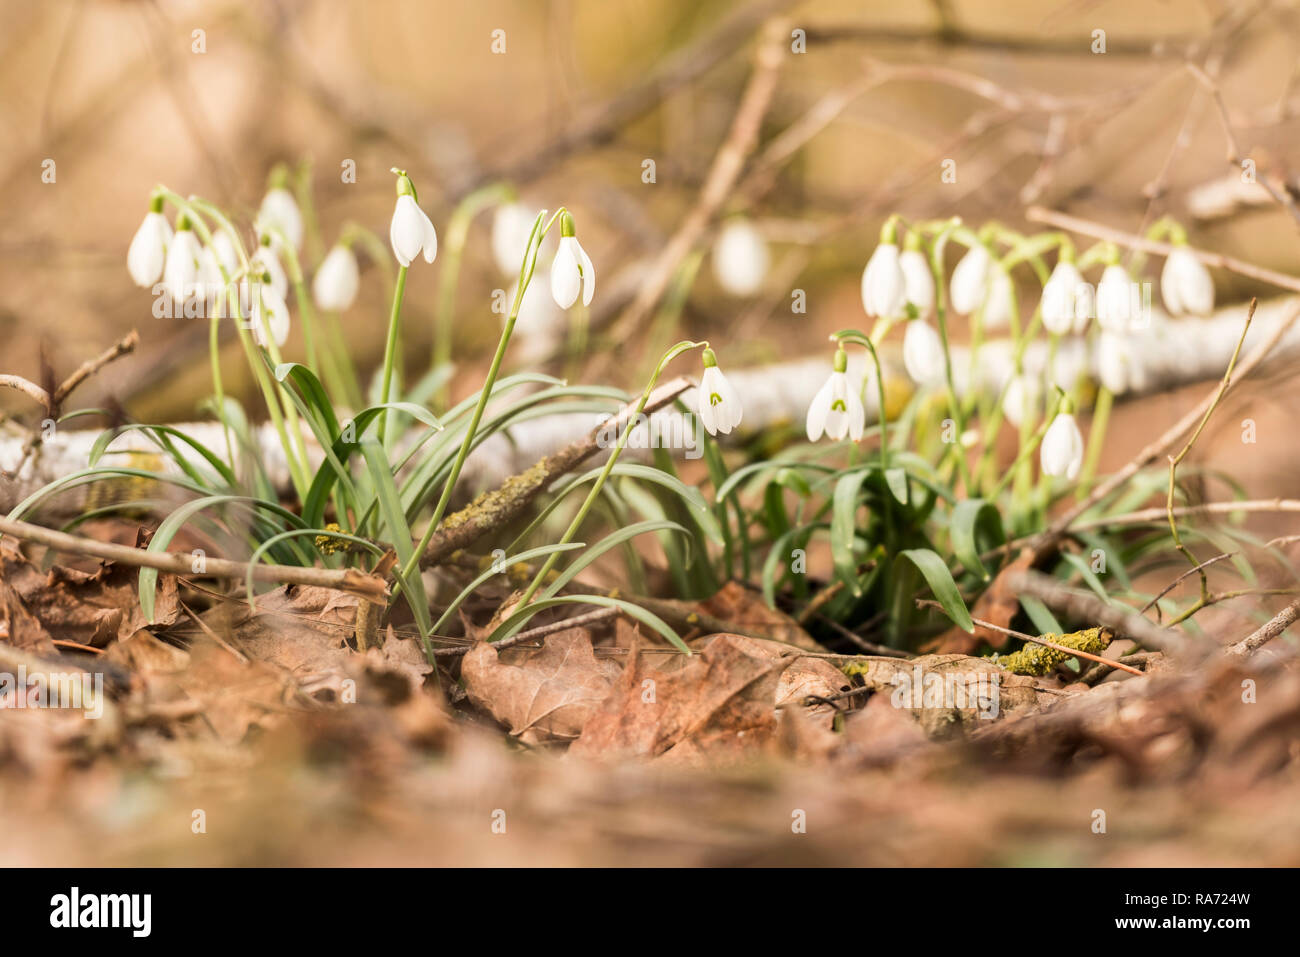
column 148, row 251
column 279, row 214
column 884, row 287
column 571, row 270
column 740, row 258
column 1185, row 283
column 337, row 280
column 181, row 272
column 918, row 280
column 837, row 408
column 1062, row 449
column 923, row 354
column 719, row 404
column 411, row 231
column 1063, row 293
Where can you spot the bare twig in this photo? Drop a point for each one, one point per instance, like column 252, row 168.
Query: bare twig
column 723, row 174
column 1174, row 460
column 350, row 580
column 1048, row 217
column 589, row 618
column 1171, row 435
column 1088, row 607
column 1280, row 194
column 1040, row 640
column 1279, row 623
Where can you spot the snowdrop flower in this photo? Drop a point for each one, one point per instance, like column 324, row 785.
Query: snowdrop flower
column 918, row 281
column 571, row 270
column 512, row 225
column 1062, row 295
column 223, row 251
column 336, row 282
column 1185, row 284
column 1062, row 449
column 884, row 290
column 1020, row 401
column 148, row 251
column 279, row 216
column 837, row 408
column 970, row 280
column 718, row 402
column 269, row 310
column 1116, row 366
column 1114, row 299
column 411, row 231
column 1001, row 300
column 266, row 261
column 923, row 355
column 740, row 258
column 181, row 271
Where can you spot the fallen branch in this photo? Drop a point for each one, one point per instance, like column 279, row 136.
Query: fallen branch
column 1279, row 623
column 1085, row 606
column 358, row 583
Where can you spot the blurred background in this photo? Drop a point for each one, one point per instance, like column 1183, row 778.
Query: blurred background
column 856, row 116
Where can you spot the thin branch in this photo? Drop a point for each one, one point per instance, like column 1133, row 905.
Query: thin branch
column 1280, row 622
column 1174, row 460
column 1049, row 217
column 1038, row 639
column 1281, row 195
column 1088, row 607
column 591, row 617
column 350, row 580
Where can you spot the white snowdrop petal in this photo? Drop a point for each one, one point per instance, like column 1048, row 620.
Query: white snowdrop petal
column 970, row 280
column 740, row 258
column 918, row 281
column 819, row 409
column 566, row 281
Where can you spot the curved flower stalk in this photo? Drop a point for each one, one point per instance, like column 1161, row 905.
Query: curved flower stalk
column 147, row 253
column 411, row 234
column 541, row 226
column 594, row 493
column 740, row 258
column 837, row 408
column 719, row 405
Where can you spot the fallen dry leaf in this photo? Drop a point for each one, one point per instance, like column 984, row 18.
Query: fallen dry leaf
column 540, row 694
column 716, row 705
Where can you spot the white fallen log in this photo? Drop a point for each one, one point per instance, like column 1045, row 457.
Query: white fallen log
column 1169, row 353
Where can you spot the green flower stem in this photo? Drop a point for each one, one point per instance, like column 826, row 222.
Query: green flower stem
column 940, row 311
column 858, row 338
column 1096, row 439
column 1026, row 449
column 526, row 269
column 684, row 346
column 390, row 348
column 270, row 390
column 453, row 253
